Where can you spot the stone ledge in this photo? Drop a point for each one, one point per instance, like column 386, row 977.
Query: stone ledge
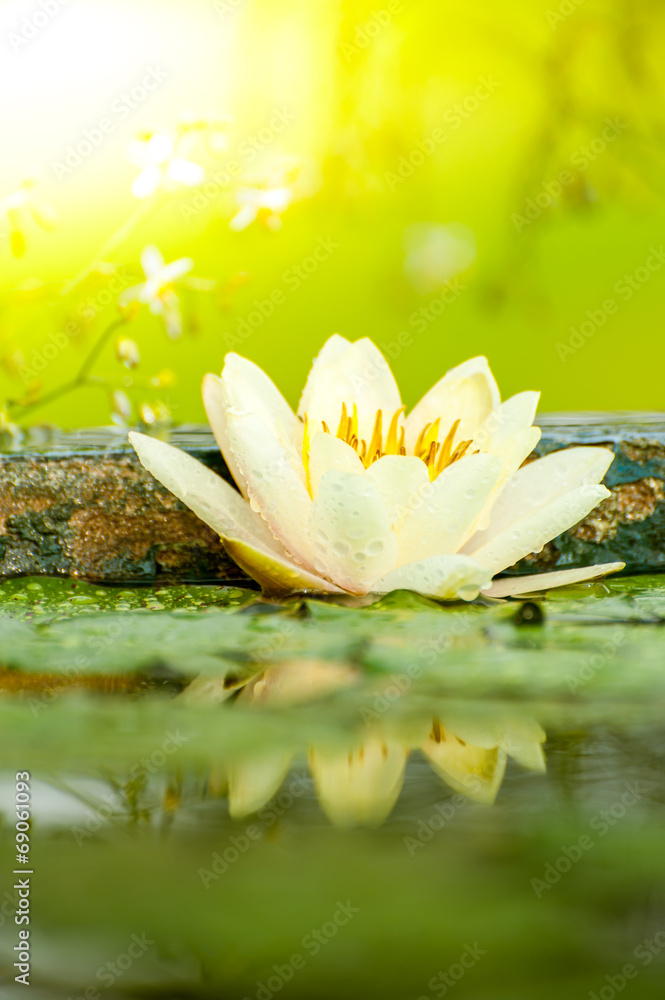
column 80, row 504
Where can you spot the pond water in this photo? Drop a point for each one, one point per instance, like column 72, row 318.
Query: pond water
column 238, row 799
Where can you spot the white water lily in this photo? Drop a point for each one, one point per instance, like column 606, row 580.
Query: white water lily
column 357, row 783
column 470, row 753
column 349, row 496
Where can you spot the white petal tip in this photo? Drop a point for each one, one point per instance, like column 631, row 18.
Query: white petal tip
column 518, row 586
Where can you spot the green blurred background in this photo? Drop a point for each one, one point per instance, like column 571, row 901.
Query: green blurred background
column 513, row 150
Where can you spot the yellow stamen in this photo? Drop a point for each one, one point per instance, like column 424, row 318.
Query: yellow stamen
column 460, row 451
column 437, row 733
column 305, row 454
column 376, row 439
column 391, row 446
column 432, row 435
column 436, row 455
column 401, row 447
column 446, row 447
column 343, row 424
column 421, row 437
column 430, row 458
column 354, row 422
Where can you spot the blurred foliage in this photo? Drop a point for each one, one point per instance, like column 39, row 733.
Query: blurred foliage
column 448, row 180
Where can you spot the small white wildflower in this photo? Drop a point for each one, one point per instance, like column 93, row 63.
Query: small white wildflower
column 157, row 290
column 162, row 165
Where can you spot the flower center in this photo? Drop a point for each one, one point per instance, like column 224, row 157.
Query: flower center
column 369, row 453
column 437, row 455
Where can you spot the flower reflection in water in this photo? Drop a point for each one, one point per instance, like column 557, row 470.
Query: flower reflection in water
column 359, row 781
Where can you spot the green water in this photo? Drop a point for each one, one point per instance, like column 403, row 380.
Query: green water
column 234, row 799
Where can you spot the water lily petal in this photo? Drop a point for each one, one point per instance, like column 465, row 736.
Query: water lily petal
column 246, row 537
column 274, row 481
column 360, row 375
column 523, row 741
column 254, row 781
column 351, row 533
column 215, row 403
column 361, row 786
column 520, row 736
column 277, row 575
column 542, row 481
column 290, row 682
column 328, row 452
column 529, row 532
column 248, row 389
column 441, row 522
column 516, row 414
column 468, row 392
column 403, row 481
column 331, row 352
column 512, row 452
column 473, row 771
column 447, row 577
column 512, row 585
column 212, row 499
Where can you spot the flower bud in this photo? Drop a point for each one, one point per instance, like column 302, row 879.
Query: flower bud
column 127, row 352
column 121, row 404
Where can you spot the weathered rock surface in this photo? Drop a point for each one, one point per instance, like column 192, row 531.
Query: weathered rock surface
column 80, row 504
column 628, row 526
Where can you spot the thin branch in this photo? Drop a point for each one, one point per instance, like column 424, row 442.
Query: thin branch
column 81, row 379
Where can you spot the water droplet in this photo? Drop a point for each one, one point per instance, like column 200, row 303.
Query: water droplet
column 375, row 548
